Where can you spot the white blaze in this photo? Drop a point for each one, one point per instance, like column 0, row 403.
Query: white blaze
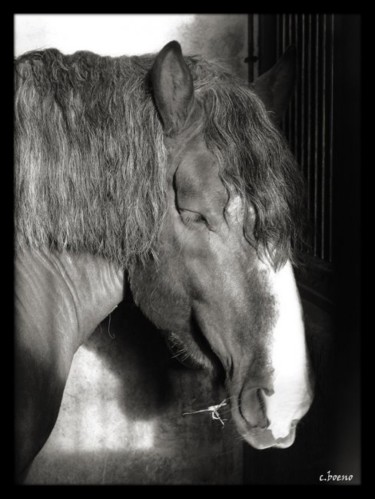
column 288, row 355
column 287, row 352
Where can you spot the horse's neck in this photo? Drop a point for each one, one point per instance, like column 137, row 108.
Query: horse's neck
column 66, row 292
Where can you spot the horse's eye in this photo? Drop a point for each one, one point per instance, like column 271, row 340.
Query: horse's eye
column 192, row 218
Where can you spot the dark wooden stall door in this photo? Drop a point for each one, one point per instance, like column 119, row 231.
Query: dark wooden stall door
column 322, row 127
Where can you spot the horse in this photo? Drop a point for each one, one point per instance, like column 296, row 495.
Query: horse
column 166, row 176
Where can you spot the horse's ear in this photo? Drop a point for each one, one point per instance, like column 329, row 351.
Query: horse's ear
column 275, row 87
column 173, row 88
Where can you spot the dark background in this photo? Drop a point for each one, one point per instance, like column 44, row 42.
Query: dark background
column 330, row 436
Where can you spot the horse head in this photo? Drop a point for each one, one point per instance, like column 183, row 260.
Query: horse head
column 222, row 284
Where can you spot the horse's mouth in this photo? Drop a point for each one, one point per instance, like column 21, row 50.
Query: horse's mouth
column 263, row 439
column 261, row 408
column 260, row 436
column 193, row 358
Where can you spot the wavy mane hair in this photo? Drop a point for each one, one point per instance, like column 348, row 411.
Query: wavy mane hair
column 90, row 161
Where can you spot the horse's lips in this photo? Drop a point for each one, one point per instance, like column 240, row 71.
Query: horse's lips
column 260, row 438
column 263, row 439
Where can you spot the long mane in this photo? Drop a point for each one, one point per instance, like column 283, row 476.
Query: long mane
column 90, row 160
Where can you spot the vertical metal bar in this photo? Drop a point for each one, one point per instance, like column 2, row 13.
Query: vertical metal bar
column 281, row 34
column 290, row 107
column 316, row 135
column 283, row 30
column 256, row 45
column 297, row 91
column 332, row 81
column 277, row 35
column 323, row 179
column 309, row 117
column 302, row 107
column 297, row 121
column 250, row 45
column 303, row 162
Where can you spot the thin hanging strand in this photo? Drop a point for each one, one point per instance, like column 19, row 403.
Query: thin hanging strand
column 109, row 328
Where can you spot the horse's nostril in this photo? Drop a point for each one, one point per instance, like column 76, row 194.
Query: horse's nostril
column 253, row 409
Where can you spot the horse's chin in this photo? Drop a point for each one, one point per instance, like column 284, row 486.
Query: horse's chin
column 260, row 438
column 263, row 439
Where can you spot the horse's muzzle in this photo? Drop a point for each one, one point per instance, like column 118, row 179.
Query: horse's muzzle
column 253, row 422
column 263, row 439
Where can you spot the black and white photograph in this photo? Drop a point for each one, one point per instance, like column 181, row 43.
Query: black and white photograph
column 187, row 251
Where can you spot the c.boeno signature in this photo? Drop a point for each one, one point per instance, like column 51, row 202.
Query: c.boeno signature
column 335, row 478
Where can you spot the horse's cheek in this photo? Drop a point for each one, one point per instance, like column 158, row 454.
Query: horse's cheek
column 161, row 292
